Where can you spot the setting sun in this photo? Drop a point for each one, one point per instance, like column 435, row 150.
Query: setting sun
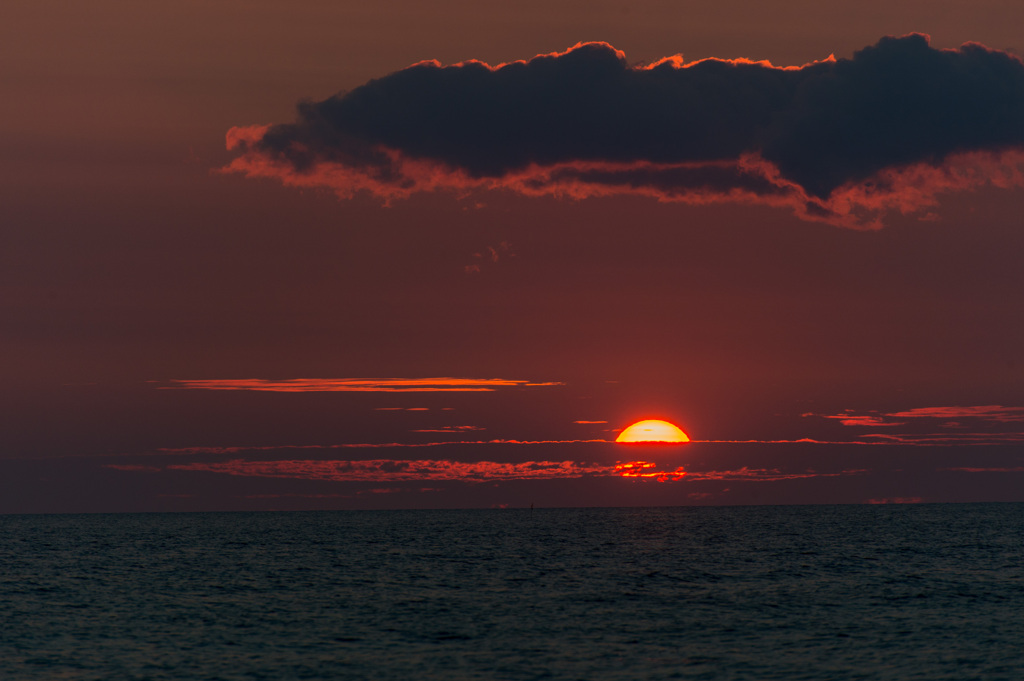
column 652, row 430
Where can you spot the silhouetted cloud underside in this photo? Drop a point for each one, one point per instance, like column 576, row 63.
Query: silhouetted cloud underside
column 841, row 141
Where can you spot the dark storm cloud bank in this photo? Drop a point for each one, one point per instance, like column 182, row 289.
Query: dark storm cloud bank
column 842, row 141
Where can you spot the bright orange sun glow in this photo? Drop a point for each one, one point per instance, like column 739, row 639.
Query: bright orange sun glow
column 652, row 430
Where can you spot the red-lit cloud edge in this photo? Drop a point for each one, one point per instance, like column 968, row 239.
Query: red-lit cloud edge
column 911, row 190
column 907, row 188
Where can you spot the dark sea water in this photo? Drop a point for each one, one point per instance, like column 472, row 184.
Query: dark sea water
column 802, row 592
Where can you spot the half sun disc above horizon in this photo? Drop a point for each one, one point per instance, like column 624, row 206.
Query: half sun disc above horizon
column 652, row 430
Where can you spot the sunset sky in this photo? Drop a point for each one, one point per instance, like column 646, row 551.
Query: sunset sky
column 339, row 255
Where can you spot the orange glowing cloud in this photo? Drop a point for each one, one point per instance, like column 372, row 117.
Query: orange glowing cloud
column 392, row 385
column 646, row 469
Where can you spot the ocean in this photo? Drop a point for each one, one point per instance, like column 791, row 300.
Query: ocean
column 923, row 591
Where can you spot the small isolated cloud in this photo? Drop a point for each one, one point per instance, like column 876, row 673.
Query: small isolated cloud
column 842, row 141
column 200, row 450
column 489, row 256
column 449, row 429
column 387, row 385
column 589, row 422
column 850, row 419
column 896, row 500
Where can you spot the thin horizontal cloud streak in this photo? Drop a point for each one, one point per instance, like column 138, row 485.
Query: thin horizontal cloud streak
column 455, row 470
column 850, row 419
column 993, row 413
column 383, row 470
column 991, row 469
column 841, row 141
column 947, row 439
column 886, row 438
column 392, row 385
column 647, row 469
column 448, row 429
column 768, row 474
column 361, row 445
column 955, row 425
column 404, row 470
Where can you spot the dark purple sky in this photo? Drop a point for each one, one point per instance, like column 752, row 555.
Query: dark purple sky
column 131, row 268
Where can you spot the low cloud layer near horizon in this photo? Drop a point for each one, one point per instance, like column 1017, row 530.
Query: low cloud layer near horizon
column 841, row 141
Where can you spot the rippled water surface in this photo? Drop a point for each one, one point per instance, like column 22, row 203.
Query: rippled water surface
column 812, row 592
